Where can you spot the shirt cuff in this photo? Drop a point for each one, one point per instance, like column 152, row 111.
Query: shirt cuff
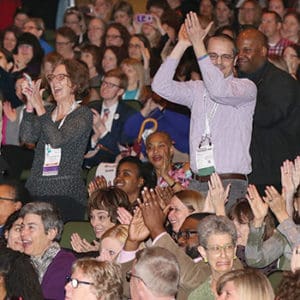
column 158, row 237
column 202, row 57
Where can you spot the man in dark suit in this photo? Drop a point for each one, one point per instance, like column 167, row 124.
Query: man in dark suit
column 276, row 122
column 109, row 118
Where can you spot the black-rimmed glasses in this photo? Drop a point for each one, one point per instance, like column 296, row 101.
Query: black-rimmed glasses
column 75, row 282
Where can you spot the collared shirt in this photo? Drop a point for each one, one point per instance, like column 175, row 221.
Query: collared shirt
column 231, row 126
column 112, row 115
column 277, row 49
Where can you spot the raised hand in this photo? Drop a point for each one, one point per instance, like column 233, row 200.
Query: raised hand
column 258, row 206
column 288, row 183
column 124, row 216
column 82, row 245
column 296, row 172
column 164, row 196
column 98, row 183
column 276, row 203
column 153, row 214
column 138, row 232
column 217, row 195
column 194, row 30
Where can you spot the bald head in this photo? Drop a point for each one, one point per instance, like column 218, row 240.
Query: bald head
column 253, row 49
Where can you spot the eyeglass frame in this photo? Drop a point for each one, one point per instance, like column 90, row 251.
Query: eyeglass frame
column 224, row 57
column 110, row 84
column 217, row 249
column 77, row 282
column 185, row 234
column 129, row 275
column 51, row 77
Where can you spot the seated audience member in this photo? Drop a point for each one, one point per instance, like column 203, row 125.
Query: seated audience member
column 270, row 26
column 139, row 48
column 65, row 41
column 94, row 280
column 278, row 6
column 109, row 117
column 249, row 14
column 187, row 237
column 160, row 150
column 183, row 204
column 223, row 14
column 242, row 216
column 41, row 230
column 154, row 275
column 291, row 27
column 134, row 71
column 12, row 196
column 102, row 9
column 291, row 56
column 74, row 19
column 261, row 253
column 10, row 37
column 175, row 124
column 112, row 242
column 117, row 35
column 18, row 279
column 112, row 58
column 95, row 31
column 123, row 13
column 244, row 284
column 103, row 214
column 11, row 236
column 91, row 56
column 132, row 175
column 20, row 17
column 36, row 26
column 29, row 55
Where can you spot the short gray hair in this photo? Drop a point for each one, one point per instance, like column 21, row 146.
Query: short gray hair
column 159, row 270
column 211, row 225
column 49, row 214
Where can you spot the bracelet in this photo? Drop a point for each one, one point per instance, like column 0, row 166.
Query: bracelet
column 171, row 186
column 202, row 57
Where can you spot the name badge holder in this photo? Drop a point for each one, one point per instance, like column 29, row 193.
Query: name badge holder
column 53, row 155
column 204, row 154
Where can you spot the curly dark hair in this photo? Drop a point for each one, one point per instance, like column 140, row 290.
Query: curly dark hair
column 21, row 279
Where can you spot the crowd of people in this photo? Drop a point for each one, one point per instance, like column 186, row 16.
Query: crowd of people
column 172, row 132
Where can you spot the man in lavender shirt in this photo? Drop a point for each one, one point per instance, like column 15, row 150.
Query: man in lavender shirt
column 222, row 108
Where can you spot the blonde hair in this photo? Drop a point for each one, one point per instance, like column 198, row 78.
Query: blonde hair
column 119, row 232
column 249, row 283
column 139, row 69
column 193, row 200
column 106, row 277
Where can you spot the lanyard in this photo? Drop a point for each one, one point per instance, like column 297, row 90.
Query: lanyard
column 73, row 107
column 209, row 116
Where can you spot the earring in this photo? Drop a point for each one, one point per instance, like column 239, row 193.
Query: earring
column 205, row 260
column 235, row 257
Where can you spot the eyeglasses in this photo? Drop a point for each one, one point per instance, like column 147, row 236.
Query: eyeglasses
column 110, row 85
column 75, row 282
column 129, row 275
column 185, row 234
column 216, row 250
column 58, row 77
column 224, row 57
column 113, row 37
column 136, row 46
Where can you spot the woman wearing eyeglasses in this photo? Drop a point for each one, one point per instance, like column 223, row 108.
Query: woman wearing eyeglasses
column 94, row 280
column 217, row 237
column 61, row 133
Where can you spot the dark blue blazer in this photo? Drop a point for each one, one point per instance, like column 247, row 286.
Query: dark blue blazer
column 113, row 138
